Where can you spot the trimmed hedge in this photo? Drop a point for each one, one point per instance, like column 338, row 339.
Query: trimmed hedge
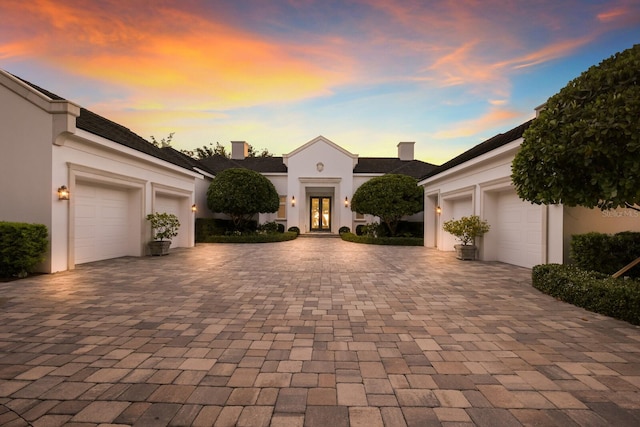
column 22, row 247
column 252, row 238
column 207, row 227
column 397, row 241
column 618, row 298
column 606, row 253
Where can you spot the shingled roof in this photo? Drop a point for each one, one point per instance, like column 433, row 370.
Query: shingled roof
column 480, row 149
column 382, row 165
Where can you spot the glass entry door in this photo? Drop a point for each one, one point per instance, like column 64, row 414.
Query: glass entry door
column 321, row 214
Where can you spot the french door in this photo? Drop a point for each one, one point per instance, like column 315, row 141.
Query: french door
column 320, row 214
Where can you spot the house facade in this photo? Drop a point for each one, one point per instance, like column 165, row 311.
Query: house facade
column 478, row 182
column 316, row 181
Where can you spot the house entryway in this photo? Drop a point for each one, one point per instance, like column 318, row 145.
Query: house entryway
column 320, row 214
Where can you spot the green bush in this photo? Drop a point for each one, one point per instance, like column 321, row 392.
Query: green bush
column 619, row 298
column 22, row 247
column 396, row 241
column 411, row 228
column 606, row 253
column 294, row 230
column 207, row 227
column 252, row 238
column 268, row 227
column 344, row 229
column 359, row 229
column 280, row 228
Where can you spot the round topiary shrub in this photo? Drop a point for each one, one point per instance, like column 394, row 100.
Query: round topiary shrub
column 280, row 228
column 359, row 229
column 294, row 229
column 344, row 229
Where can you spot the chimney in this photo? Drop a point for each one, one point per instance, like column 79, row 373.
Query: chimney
column 239, row 150
column 405, row 150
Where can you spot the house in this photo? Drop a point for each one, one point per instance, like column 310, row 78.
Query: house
column 113, row 178
column 478, row 182
column 317, row 180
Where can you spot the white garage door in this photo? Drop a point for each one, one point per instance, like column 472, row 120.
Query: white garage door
column 519, row 231
column 101, row 222
column 173, row 205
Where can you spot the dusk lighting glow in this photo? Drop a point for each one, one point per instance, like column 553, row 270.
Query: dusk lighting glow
column 365, row 74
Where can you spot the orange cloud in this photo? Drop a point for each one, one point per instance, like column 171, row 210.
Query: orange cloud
column 493, row 119
column 170, row 57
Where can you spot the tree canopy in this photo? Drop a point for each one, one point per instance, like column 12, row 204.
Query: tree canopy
column 241, row 194
column 584, row 148
column 389, row 197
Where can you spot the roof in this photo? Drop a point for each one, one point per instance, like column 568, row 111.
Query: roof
column 382, row 165
column 480, row 149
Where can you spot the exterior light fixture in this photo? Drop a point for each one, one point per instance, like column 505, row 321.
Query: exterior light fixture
column 438, row 210
column 194, row 208
column 346, row 202
column 293, row 200
column 63, row 193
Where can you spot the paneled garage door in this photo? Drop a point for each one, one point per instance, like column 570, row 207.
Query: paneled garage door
column 519, row 230
column 101, row 222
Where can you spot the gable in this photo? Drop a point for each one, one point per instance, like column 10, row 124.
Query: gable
column 318, row 145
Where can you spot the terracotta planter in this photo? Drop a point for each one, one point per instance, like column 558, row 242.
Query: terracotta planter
column 466, row 252
column 159, row 247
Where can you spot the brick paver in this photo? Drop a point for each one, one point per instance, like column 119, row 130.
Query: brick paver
column 313, row 332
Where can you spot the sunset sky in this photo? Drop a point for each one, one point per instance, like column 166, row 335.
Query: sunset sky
column 366, row 74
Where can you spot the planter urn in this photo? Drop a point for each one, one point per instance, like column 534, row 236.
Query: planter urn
column 466, row 252
column 159, row 247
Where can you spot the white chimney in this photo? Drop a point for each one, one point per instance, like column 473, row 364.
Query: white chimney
column 405, row 150
column 239, row 150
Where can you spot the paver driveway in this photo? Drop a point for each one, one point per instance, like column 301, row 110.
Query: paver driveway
column 313, row 332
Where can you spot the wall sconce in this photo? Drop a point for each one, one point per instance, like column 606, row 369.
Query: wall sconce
column 346, row 202
column 194, row 208
column 293, row 200
column 438, row 210
column 63, row 193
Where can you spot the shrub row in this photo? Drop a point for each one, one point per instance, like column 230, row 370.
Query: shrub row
column 22, row 247
column 206, row 227
column 397, row 241
column 591, row 290
column 252, row 238
column 405, row 229
column 606, row 253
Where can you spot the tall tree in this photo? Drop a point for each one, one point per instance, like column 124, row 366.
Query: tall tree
column 584, row 148
column 389, row 197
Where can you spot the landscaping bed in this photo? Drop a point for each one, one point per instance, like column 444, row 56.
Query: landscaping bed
column 370, row 240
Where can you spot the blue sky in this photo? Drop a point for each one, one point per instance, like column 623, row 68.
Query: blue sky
column 366, row 74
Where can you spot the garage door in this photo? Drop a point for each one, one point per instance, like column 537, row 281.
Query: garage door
column 518, row 230
column 174, row 205
column 101, row 222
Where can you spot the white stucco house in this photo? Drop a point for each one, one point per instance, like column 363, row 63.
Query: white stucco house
column 478, row 182
column 317, row 180
column 114, row 178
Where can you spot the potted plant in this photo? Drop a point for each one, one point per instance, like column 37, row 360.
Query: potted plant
column 163, row 226
column 466, row 229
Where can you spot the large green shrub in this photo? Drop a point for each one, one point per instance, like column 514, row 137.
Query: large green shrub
column 619, row 298
column 606, row 253
column 389, row 197
column 207, row 227
column 242, row 194
column 22, row 247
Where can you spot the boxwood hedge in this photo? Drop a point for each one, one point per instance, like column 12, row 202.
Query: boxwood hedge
column 597, row 292
column 22, row 247
column 606, row 253
column 398, row 241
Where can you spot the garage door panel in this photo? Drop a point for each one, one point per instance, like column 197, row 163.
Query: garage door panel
column 102, row 218
column 518, row 229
